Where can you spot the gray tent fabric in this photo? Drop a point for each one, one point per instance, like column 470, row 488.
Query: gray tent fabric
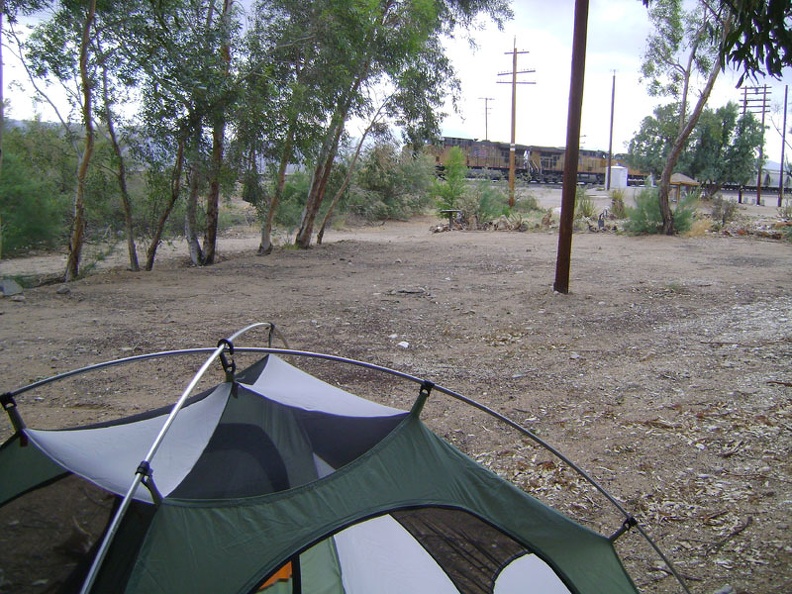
column 279, row 482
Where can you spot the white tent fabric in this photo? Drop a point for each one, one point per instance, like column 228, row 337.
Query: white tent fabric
column 288, row 385
column 381, row 556
column 543, row 579
column 124, row 446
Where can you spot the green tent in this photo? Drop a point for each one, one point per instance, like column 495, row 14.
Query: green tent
column 276, row 481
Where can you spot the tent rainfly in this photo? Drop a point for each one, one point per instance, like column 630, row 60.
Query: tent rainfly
column 274, row 481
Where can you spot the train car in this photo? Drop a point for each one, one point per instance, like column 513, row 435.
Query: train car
column 482, row 157
column 538, row 164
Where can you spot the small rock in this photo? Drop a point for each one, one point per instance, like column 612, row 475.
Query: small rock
column 404, row 344
column 727, row 589
column 63, row 290
column 9, row 287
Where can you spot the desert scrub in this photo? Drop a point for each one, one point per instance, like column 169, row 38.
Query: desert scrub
column 482, row 203
column 617, row 208
column 646, row 219
column 584, row 205
column 723, row 211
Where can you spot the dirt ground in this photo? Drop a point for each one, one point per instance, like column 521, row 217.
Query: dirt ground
column 665, row 373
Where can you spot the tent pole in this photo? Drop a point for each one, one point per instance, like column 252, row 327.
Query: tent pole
column 144, row 467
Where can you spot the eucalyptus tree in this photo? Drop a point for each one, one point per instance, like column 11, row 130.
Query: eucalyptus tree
column 283, row 100
column 62, row 48
column 184, row 59
column 84, row 61
column 759, row 42
column 721, row 148
column 370, row 43
column 740, row 159
column 649, row 147
column 683, row 46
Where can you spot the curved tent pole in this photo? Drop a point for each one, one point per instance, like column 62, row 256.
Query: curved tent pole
column 629, row 520
column 144, row 469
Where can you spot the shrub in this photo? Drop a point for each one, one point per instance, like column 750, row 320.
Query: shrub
column 618, row 208
column 295, row 192
column 785, row 211
column 31, row 212
column 584, row 205
column 390, row 185
column 723, row 211
column 448, row 192
column 482, row 204
column 527, row 203
column 646, row 218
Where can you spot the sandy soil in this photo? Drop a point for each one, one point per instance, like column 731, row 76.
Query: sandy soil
column 665, row 373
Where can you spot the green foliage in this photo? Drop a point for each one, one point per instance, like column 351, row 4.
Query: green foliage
column 449, row 191
column 618, row 208
column 650, row 146
column 785, row 214
column 760, row 42
column 292, row 201
column 723, row 211
column 645, row 218
column 483, row 203
column 721, row 148
column 527, row 204
column 389, row 184
column 740, row 157
column 32, row 214
column 584, row 205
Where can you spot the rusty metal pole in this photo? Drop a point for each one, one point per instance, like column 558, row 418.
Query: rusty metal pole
column 513, row 145
column 783, row 142
column 572, row 146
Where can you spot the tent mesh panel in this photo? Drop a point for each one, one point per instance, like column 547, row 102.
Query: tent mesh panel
column 471, row 551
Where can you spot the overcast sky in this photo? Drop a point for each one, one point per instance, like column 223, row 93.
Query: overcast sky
column 617, row 32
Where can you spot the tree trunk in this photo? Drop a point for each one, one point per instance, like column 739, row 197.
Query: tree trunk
column 213, row 198
column 325, row 162
column 679, row 145
column 265, row 245
column 77, row 237
column 347, row 179
column 176, row 178
column 320, row 178
column 191, row 217
column 218, row 144
column 121, row 175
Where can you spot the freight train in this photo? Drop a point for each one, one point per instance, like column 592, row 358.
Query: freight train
column 537, row 164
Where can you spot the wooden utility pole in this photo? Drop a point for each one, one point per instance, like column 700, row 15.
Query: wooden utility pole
column 514, row 82
column 610, row 137
column 486, row 101
column 574, row 114
column 756, row 100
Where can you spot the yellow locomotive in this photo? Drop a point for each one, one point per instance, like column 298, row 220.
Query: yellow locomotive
column 539, row 164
